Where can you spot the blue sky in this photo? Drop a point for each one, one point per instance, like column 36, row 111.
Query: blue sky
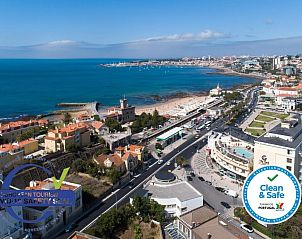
column 32, row 22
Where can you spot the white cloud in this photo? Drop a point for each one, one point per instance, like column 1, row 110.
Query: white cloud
column 205, row 35
column 61, row 42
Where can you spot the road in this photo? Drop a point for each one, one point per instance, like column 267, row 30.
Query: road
column 122, row 195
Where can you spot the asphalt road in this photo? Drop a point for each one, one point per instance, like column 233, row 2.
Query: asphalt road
column 211, row 195
column 120, row 193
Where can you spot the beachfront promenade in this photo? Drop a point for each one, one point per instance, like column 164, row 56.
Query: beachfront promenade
column 184, row 119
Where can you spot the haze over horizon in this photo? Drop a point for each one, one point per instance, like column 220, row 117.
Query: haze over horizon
column 143, row 29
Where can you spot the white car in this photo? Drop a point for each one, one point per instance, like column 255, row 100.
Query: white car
column 247, row 228
column 160, row 161
column 168, row 163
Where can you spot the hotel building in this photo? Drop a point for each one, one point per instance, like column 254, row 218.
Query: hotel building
column 232, row 151
column 281, row 146
column 67, row 137
column 61, row 216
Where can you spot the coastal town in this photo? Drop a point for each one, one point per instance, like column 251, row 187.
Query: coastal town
column 174, row 169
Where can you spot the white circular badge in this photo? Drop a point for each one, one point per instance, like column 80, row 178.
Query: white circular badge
column 271, row 194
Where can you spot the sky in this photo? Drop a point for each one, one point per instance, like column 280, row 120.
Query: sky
column 58, row 28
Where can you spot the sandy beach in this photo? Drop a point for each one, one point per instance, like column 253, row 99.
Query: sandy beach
column 169, row 105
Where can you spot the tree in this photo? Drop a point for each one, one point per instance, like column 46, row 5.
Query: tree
column 97, row 117
column 113, row 125
column 181, row 160
column 113, row 175
column 67, row 118
column 158, row 146
column 30, row 133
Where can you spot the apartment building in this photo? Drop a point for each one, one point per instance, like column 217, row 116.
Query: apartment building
column 11, row 228
column 60, row 216
column 10, row 131
column 281, row 146
column 69, row 136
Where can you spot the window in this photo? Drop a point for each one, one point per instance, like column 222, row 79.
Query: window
column 289, row 160
column 289, row 168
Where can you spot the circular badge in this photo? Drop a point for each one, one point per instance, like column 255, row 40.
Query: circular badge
column 271, row 194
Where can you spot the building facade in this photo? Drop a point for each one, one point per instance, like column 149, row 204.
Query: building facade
column 72, row 135
column 233, row 152
column 124, row 113
column 10, row 131
column 61, row 216
column 11, row 228
column 281, row 146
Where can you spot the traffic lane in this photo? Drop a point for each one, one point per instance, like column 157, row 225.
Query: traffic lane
column 214, row 197
column 123, row 191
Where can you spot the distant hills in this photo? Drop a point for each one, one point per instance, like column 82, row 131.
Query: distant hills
column 154, row 49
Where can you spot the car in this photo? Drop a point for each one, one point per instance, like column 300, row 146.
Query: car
column 208, row 182
column 130, row 185
column 220, row 189
column 189, row 178
column 247, row 227
column 70, row 227
column 169, row 163
column 160, row 161
column 201, row 178
column 192, row 174
column 225, row 204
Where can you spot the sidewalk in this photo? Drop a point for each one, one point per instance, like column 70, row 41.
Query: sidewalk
column 202, row 168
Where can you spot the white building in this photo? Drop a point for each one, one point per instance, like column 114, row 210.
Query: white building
column 10, row 228
column 216, row 91
column 61, row 216
column 177, row 196
column 232, row 151
column 281, row 146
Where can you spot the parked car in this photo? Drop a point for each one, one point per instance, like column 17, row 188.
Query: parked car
column 231, row 193
column 192, row 174
column 160, row 161
column 169, row 163
column 247, row 227
column 189, row 178
column 225, row 204
column 220, row 189
column 201, row 178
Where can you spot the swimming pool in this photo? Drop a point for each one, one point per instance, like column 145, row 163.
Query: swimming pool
column 243, row 152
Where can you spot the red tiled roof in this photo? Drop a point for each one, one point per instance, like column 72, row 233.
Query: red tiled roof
column 114, row 158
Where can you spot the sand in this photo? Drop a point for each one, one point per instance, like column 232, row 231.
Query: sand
column 167, row 106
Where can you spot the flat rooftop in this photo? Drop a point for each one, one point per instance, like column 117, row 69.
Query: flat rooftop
column 181, row 190
column 293, row 132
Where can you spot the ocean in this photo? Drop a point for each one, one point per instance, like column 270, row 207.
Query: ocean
column 29, row 87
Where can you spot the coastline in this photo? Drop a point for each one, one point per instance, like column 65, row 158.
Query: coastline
column 220, row 70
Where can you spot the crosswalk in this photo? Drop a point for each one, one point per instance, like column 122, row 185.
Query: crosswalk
column 200, row 164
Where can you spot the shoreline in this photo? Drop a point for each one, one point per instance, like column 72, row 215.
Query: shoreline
column 162, row 103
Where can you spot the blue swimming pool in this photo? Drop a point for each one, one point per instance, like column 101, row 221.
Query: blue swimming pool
column 243, row 152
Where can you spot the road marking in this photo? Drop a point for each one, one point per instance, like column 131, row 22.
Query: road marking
column 141, row 183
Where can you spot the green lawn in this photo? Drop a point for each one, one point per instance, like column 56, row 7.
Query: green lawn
column 274, row 114
column 281, row 116
column 264, row 118
column 255, row 132
column 268, row 113
column 257, row 124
